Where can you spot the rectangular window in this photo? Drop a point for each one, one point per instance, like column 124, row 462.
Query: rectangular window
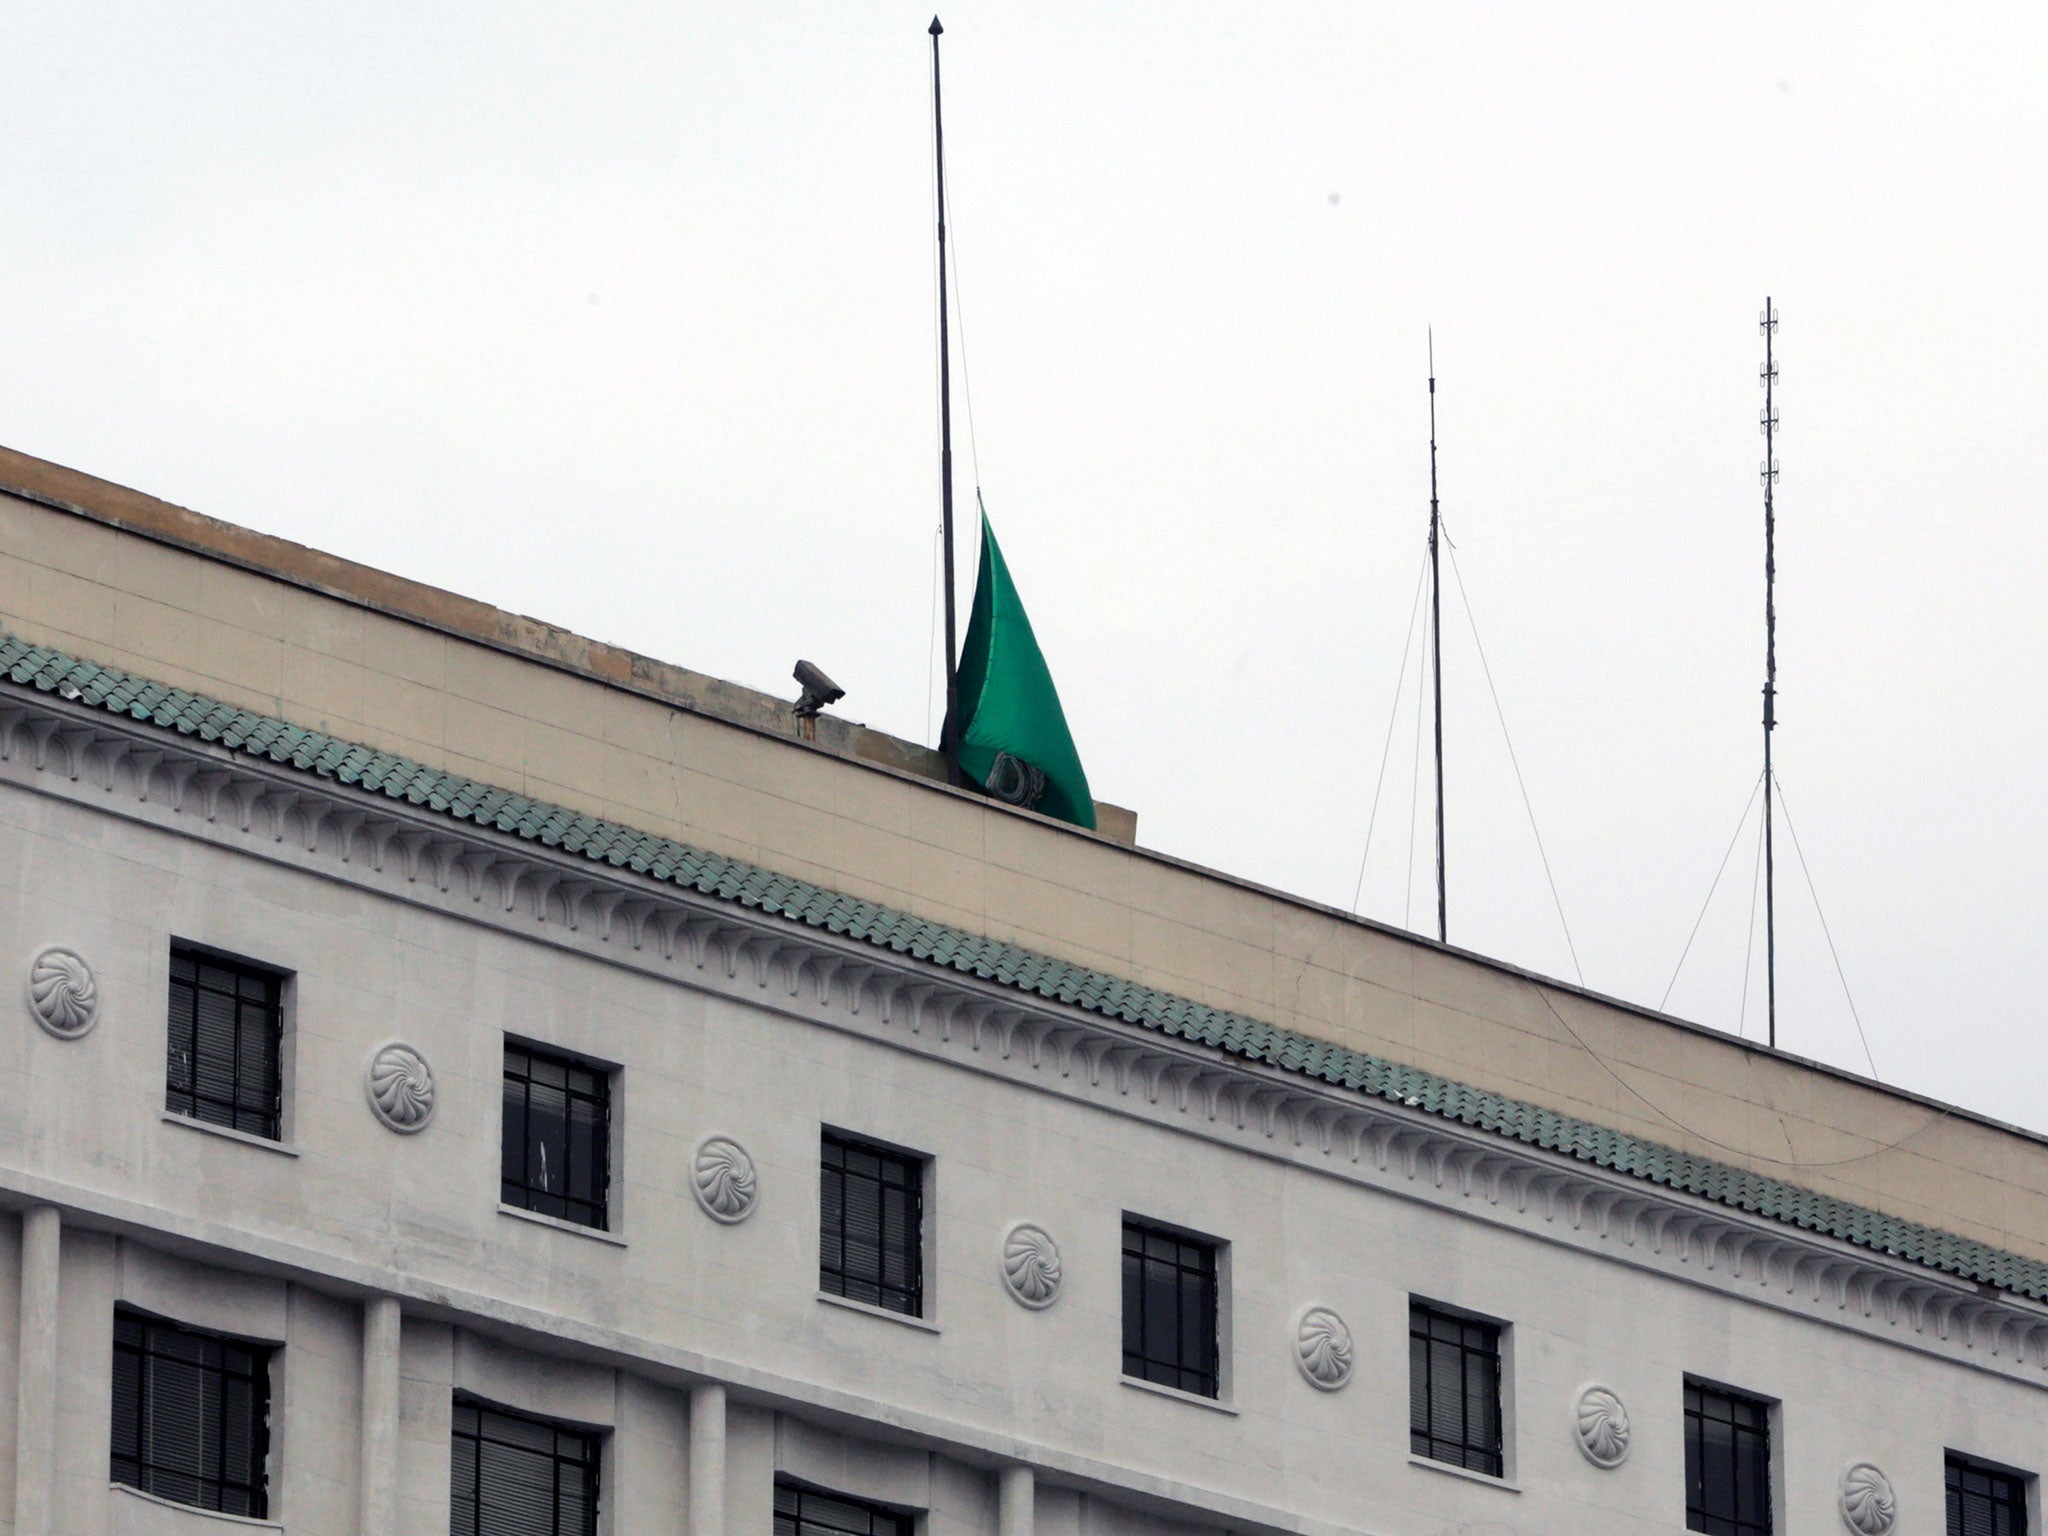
column 807, row 1512
column 1454, row 1389
column 1727, row 1463
column 558, row 1127
column 1983, row 1501
column 871, row 1225
column 226, row 1042
column 512, row 1475
column 1170, row 1309
column 191, row 1416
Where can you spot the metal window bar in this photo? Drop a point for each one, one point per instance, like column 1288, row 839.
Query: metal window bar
column 514, row 1475
column 801, row 1511
column 556, row 1154
column 191, row 1416
column 1170, row 1310
column 1983, row 1501
column 871, row 1225
column 1727, row 1463
column 225, row 1043
column 1454, row 1390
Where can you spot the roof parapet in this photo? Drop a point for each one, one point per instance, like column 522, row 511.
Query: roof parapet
column 103, row 501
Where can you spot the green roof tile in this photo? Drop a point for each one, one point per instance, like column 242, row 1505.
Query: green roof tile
column 398, row 778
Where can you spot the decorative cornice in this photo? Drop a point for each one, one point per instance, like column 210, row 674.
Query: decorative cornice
column 421, row 853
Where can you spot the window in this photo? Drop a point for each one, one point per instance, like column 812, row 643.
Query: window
column 1454, row 1389
column 871, row 1225
column 1983, row 1501
column 558, row 1126
column 1727, row 1463
column 806, row 1512
column 191, row 1416
column 225, row 1044
column 1170, row 1309
column 517, row 1476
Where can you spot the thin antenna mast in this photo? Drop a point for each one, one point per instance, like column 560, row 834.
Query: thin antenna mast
column 1436, row 651
column 1768, row 377
column 949, row 739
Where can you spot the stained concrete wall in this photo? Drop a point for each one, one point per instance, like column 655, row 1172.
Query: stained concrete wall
column 130, row 581
column 284, row 1245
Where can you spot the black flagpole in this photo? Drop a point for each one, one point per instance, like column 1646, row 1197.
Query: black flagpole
column 1436, row 651
column 949, row 739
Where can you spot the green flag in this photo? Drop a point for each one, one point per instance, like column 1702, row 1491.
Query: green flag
column 1014, row 740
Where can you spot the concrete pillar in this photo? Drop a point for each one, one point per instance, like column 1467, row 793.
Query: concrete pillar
column 378, row 1500
column 35, row 1402
column 1016, row 1501
column 707, row 1460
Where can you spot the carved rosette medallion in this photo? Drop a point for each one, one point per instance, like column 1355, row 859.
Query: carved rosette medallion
column 1322, row 1348
column 722, row 1179
column 1031, row 1266
column 1869, row 1506
column 400, row 1087
column 62, row 993
column 1600, row 1425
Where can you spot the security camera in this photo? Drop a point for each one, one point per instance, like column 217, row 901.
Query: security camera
column 819, row 690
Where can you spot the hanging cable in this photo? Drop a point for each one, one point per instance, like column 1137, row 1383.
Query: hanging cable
column 960, row 308
column 1414, row 800
column 931, row 643
column 1826, row 933
column 1386, row 749
column 1501, row 715
column 1733, row 838
column 1749, row 945
column 1750, row 1153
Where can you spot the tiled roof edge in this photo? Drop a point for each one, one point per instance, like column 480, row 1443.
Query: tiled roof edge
column 751, row 886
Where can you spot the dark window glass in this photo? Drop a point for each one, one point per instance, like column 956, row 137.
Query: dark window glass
column 1983, row 1501
column 517, row 1476
column 871, row 1225
column 557, row 1148
column 1727, row 1463
column 191, row 1416
column 807, row 1512
column 1454, row 1389
column 1170, row 1309
column 225, row 1043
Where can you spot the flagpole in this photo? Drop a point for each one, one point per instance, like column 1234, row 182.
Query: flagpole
column 949, row 741
column 1436, row 652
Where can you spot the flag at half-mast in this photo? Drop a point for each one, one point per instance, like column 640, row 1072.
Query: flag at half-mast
column 1013, row 735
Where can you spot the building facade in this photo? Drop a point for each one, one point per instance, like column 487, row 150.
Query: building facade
column 462, row 1077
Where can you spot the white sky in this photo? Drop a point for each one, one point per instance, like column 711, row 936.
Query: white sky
column 622, row 316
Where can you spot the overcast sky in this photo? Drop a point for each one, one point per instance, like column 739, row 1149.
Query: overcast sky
column 623, row 317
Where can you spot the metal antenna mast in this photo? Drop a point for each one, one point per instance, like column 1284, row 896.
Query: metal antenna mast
column 1768, row 420
column 1436, row 651
column 949, row 733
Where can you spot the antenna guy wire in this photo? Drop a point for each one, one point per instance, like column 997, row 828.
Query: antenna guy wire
column 1828, row 934
column 1740, row 822
column 1501, row 715
column 1393, row 715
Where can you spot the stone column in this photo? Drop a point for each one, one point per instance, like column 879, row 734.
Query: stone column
column 707, row 1460
column 378, row 1497
column 35, row 1402
column 1016, row 1501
